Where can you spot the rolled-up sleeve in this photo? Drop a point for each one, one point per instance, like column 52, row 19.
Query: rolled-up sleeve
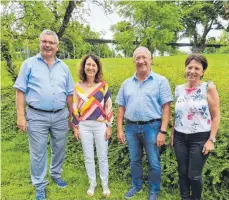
column 22, row 80
column 165, row 92
column 120, row 100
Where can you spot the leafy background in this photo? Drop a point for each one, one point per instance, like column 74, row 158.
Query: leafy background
column 15, row 152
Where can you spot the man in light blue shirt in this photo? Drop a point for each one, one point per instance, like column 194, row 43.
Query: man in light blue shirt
column 46, row 85
column 144, row 101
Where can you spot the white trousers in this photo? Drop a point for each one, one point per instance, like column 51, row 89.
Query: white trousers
column 90, row 131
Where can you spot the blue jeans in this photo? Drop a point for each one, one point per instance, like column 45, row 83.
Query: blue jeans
column 39, row 125
column 139, row 137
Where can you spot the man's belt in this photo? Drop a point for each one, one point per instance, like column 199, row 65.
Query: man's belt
column 141, row 122
column 48, row 111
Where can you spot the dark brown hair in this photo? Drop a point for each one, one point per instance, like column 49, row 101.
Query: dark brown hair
column 99, row 74
column 199, row 58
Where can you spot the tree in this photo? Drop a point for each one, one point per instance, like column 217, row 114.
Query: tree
column 152, row 24
column 7, row 35
column 225, row 15
column 23, row 20
column 124, row 36
column 200, row 14
column 26, row 20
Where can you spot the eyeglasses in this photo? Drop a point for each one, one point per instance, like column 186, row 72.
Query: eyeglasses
column 49, row 42
column 137, row 59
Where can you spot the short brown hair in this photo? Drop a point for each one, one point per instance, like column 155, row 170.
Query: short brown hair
column 199, row 58
column 99, row 74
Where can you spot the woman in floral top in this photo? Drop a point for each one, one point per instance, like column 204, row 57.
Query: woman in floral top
column 92, row 119
column 197, row 117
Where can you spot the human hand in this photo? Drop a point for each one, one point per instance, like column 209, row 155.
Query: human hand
column 208, row 147
column 21, row 123
column 76, row 132
column 108, row 133
column 160, row 139
column 121, row 136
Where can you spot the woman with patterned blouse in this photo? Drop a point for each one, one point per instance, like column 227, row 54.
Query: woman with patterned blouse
column 197, row 118
column 92, row 119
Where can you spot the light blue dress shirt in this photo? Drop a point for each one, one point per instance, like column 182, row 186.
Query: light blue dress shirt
column 45, row 87
column 143, row 101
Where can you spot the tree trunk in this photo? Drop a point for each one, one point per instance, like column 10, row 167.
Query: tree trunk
column 6, row 55
column 202, row 42
column 67, row 16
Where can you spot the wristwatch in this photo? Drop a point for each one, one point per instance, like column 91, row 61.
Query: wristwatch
column 163, row 132
column 212, row 139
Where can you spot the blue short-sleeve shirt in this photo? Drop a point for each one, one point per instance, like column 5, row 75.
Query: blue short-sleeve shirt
column 143, row 101
column 45, row 87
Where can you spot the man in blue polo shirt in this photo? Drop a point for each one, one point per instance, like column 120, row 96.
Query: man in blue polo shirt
column 45, row 83
column 144, row 101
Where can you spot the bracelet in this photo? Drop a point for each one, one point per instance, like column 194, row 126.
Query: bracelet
column 163, row 132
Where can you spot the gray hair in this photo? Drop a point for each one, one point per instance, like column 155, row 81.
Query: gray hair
column 49, row 32
column 141, row 48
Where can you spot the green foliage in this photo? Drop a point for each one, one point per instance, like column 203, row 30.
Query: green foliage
column 205, row 14
column 23, row 21
column 15, row 171
column 151, row 24
column 124, row 35
column 223, row 50
column 224, row 39
column 155, row 23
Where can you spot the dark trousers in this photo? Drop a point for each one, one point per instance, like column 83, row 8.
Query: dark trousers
column 188, row 150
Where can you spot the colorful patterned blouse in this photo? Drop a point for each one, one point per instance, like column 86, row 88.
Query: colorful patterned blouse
column 192, row 113
column 95, row 106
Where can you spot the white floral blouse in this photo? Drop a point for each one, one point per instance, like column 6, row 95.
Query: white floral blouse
column 192, row 113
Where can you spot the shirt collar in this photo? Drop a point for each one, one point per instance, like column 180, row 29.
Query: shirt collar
column 41, row 58
column 150, row 75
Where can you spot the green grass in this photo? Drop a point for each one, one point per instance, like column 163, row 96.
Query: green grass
column 16, row 184
column 15, row 173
